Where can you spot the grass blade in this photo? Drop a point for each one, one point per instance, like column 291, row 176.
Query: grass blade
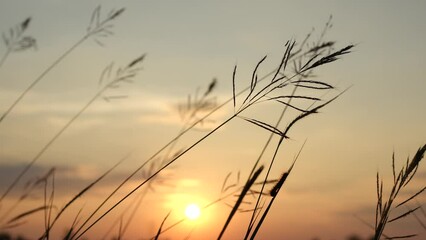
column 27, row 213
column 312, row 84
column 412, row 197
column 233, row 85
column 161, row 226
column 403, row 215
column 246, row 188
column 263, row 125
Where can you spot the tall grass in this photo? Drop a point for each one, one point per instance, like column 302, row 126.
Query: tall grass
column 98, row 28
column 283, row 86
column 16, row 41
column 385, row 207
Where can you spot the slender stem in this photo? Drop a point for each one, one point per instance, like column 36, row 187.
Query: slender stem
column 16, row 204
column 6, row 54
column 158, row 171
column 183, row 128
column 262, row 219
column 50, row 226
column 133, row 212
column 261, row 155
column 162, row 149
column 38, row 79
column 204, row 207
column 266, row 178
column 166, row 156
column 274, row 194
column 243, row 193
column 11, row 209
column 171, row 142
column 41, row 76
column 52, row 195
column 46, row 225
column 48, row 144
column 255, row 165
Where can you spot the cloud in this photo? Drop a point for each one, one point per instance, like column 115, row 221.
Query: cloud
column 148, row 108
column 69, row 180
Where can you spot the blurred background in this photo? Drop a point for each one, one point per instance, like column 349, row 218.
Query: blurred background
column 187, row 44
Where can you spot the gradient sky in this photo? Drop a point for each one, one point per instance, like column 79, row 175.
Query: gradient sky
column 187, row 44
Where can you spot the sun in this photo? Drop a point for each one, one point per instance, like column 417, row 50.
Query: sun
column 192, row 211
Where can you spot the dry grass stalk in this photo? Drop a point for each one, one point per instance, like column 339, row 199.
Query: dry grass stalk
column 50, row 225
column 384, row 208
column 122, row 75
column 97, row 29
column 189, row 112
column 246, row 188
column 15, row 40
column 318, row 49
column 161, row 226
column 101, row 28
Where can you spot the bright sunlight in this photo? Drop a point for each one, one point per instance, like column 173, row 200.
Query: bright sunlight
column 192, row 211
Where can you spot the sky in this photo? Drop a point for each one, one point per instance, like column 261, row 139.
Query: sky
column 187, row 44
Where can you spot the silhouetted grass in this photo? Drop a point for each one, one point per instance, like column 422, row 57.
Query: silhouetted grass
column 400, row 181
column 294, row 71
column 97, row 28
column 16, row 41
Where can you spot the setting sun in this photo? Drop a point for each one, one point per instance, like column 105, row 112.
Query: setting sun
column 192, row 211
column 142, row 120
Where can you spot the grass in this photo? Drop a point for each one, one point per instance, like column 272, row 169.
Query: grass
column 97, row 28
column 400, row 181
column 291, row 85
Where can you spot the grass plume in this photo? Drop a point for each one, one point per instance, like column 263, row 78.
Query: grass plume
column 97, row 29
column 385, row 207
column 16, row 41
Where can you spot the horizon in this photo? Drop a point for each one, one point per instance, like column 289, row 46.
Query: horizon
column 187, row 45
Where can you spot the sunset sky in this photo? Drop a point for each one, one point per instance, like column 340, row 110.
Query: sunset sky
column 187, row 44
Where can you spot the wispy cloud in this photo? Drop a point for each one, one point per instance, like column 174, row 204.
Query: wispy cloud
column 148, row 108
column 69, row 180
